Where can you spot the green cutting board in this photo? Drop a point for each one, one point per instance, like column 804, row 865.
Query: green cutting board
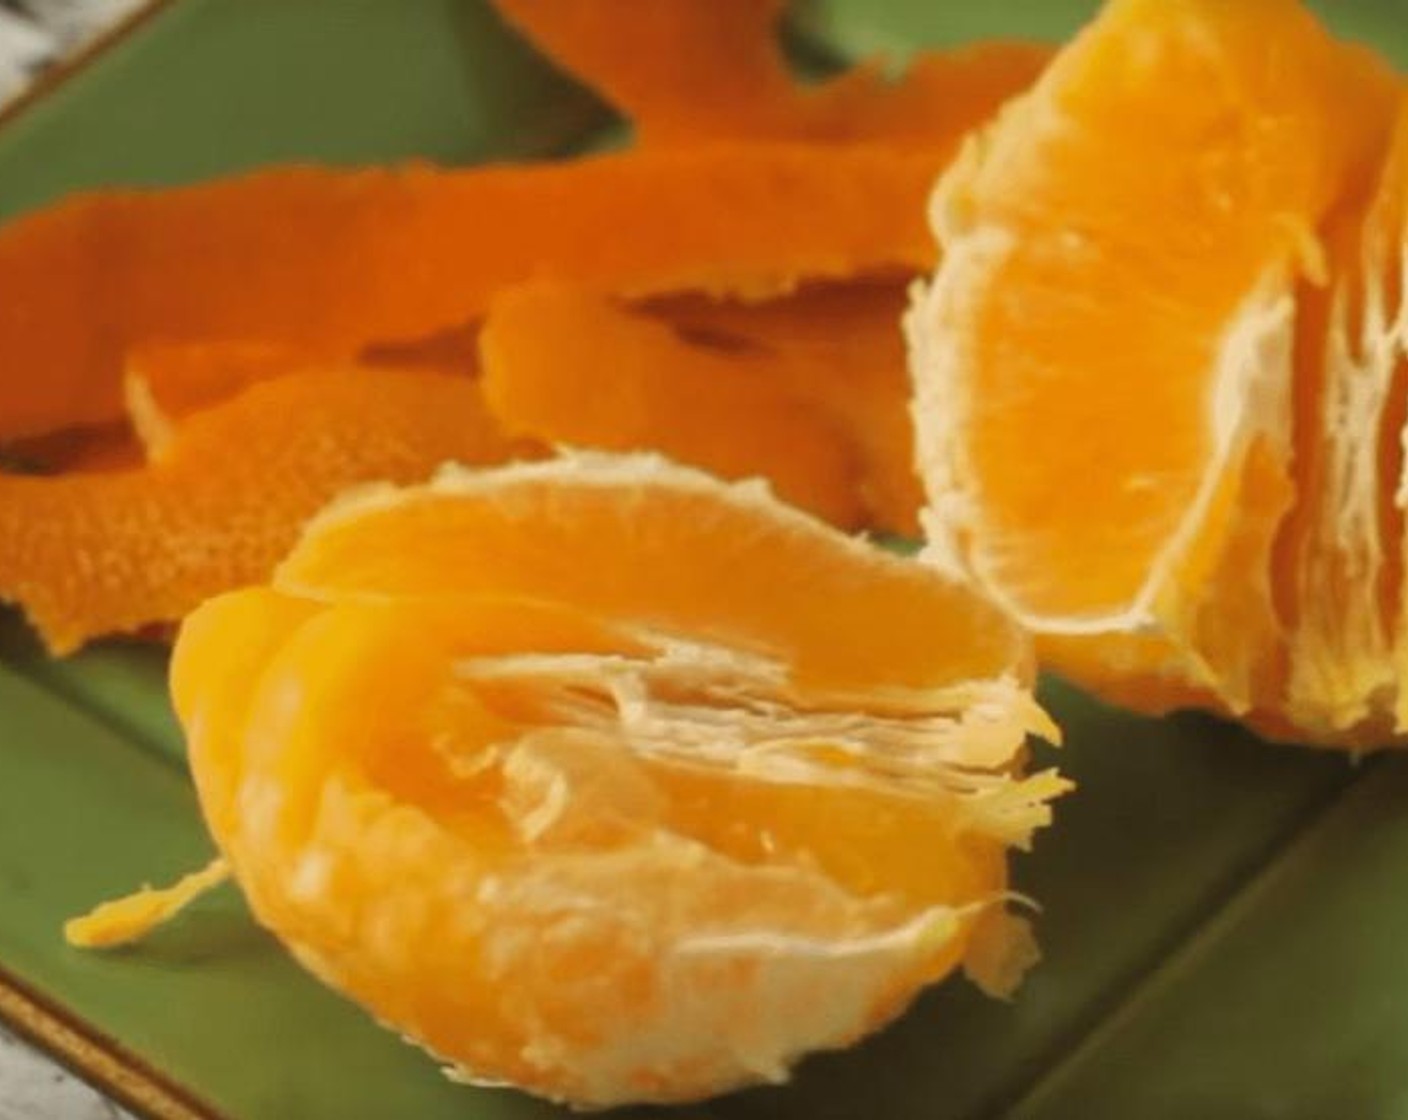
column 1222, row 926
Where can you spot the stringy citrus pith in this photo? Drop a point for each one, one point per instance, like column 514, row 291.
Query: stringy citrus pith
column 1157, row 440
column 632, row 819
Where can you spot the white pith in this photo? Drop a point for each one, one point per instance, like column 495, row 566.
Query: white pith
column 686, row 701
column 1341, row 670
column 708, row 707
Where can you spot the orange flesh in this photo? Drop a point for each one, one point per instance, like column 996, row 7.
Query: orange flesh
column 1051, row 213
column 1190, row 537
column 686, row 72
column 329, row 261
column 1231, row 634
column 1329, row 556
column 528, row 879
column 1385, row 238
column 567, row 367
column 508, row 543
column 88, row 555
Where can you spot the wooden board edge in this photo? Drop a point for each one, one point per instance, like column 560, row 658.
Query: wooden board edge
column 94, row 1057
column 75, row 63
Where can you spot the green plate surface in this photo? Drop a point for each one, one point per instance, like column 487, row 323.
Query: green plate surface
column 1223, row 930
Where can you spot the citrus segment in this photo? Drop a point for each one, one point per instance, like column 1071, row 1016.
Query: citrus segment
column 329, row 261
column 472, row 533
column 1385, row 349
column 1333, row 555
column 88, row 555
column 1104, row 400
column 632, row 818
column 567, row 367
column 685, row 72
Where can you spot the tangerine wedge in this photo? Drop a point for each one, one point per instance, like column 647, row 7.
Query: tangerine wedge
column 88, row 555
column 685, row 72
column 665, row 785
column 327, row 262
column 1110, row 361
column 1343, row 550
column 1384, row 343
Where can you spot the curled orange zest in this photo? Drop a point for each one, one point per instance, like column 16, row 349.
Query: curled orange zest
column 568, row 367
column 329, row 261
column 838, row 349
column 87, row 555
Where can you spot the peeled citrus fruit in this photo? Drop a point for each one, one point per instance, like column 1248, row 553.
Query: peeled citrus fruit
column 664, row 783
column 1141, row 418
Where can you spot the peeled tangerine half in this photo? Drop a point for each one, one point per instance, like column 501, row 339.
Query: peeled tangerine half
column 1147, row 418
column 612, row 781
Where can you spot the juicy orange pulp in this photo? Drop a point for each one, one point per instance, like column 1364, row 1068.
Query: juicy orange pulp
column 1122, row 383
column 629, row 818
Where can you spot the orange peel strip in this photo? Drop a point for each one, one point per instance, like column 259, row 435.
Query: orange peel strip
column 567, row 367
column 678, row 68
column 92, row 555
column 101, row 447
column 329, row 261
column 628, row 801
column 686, row 71
column 839, row 349
column 165, row 383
